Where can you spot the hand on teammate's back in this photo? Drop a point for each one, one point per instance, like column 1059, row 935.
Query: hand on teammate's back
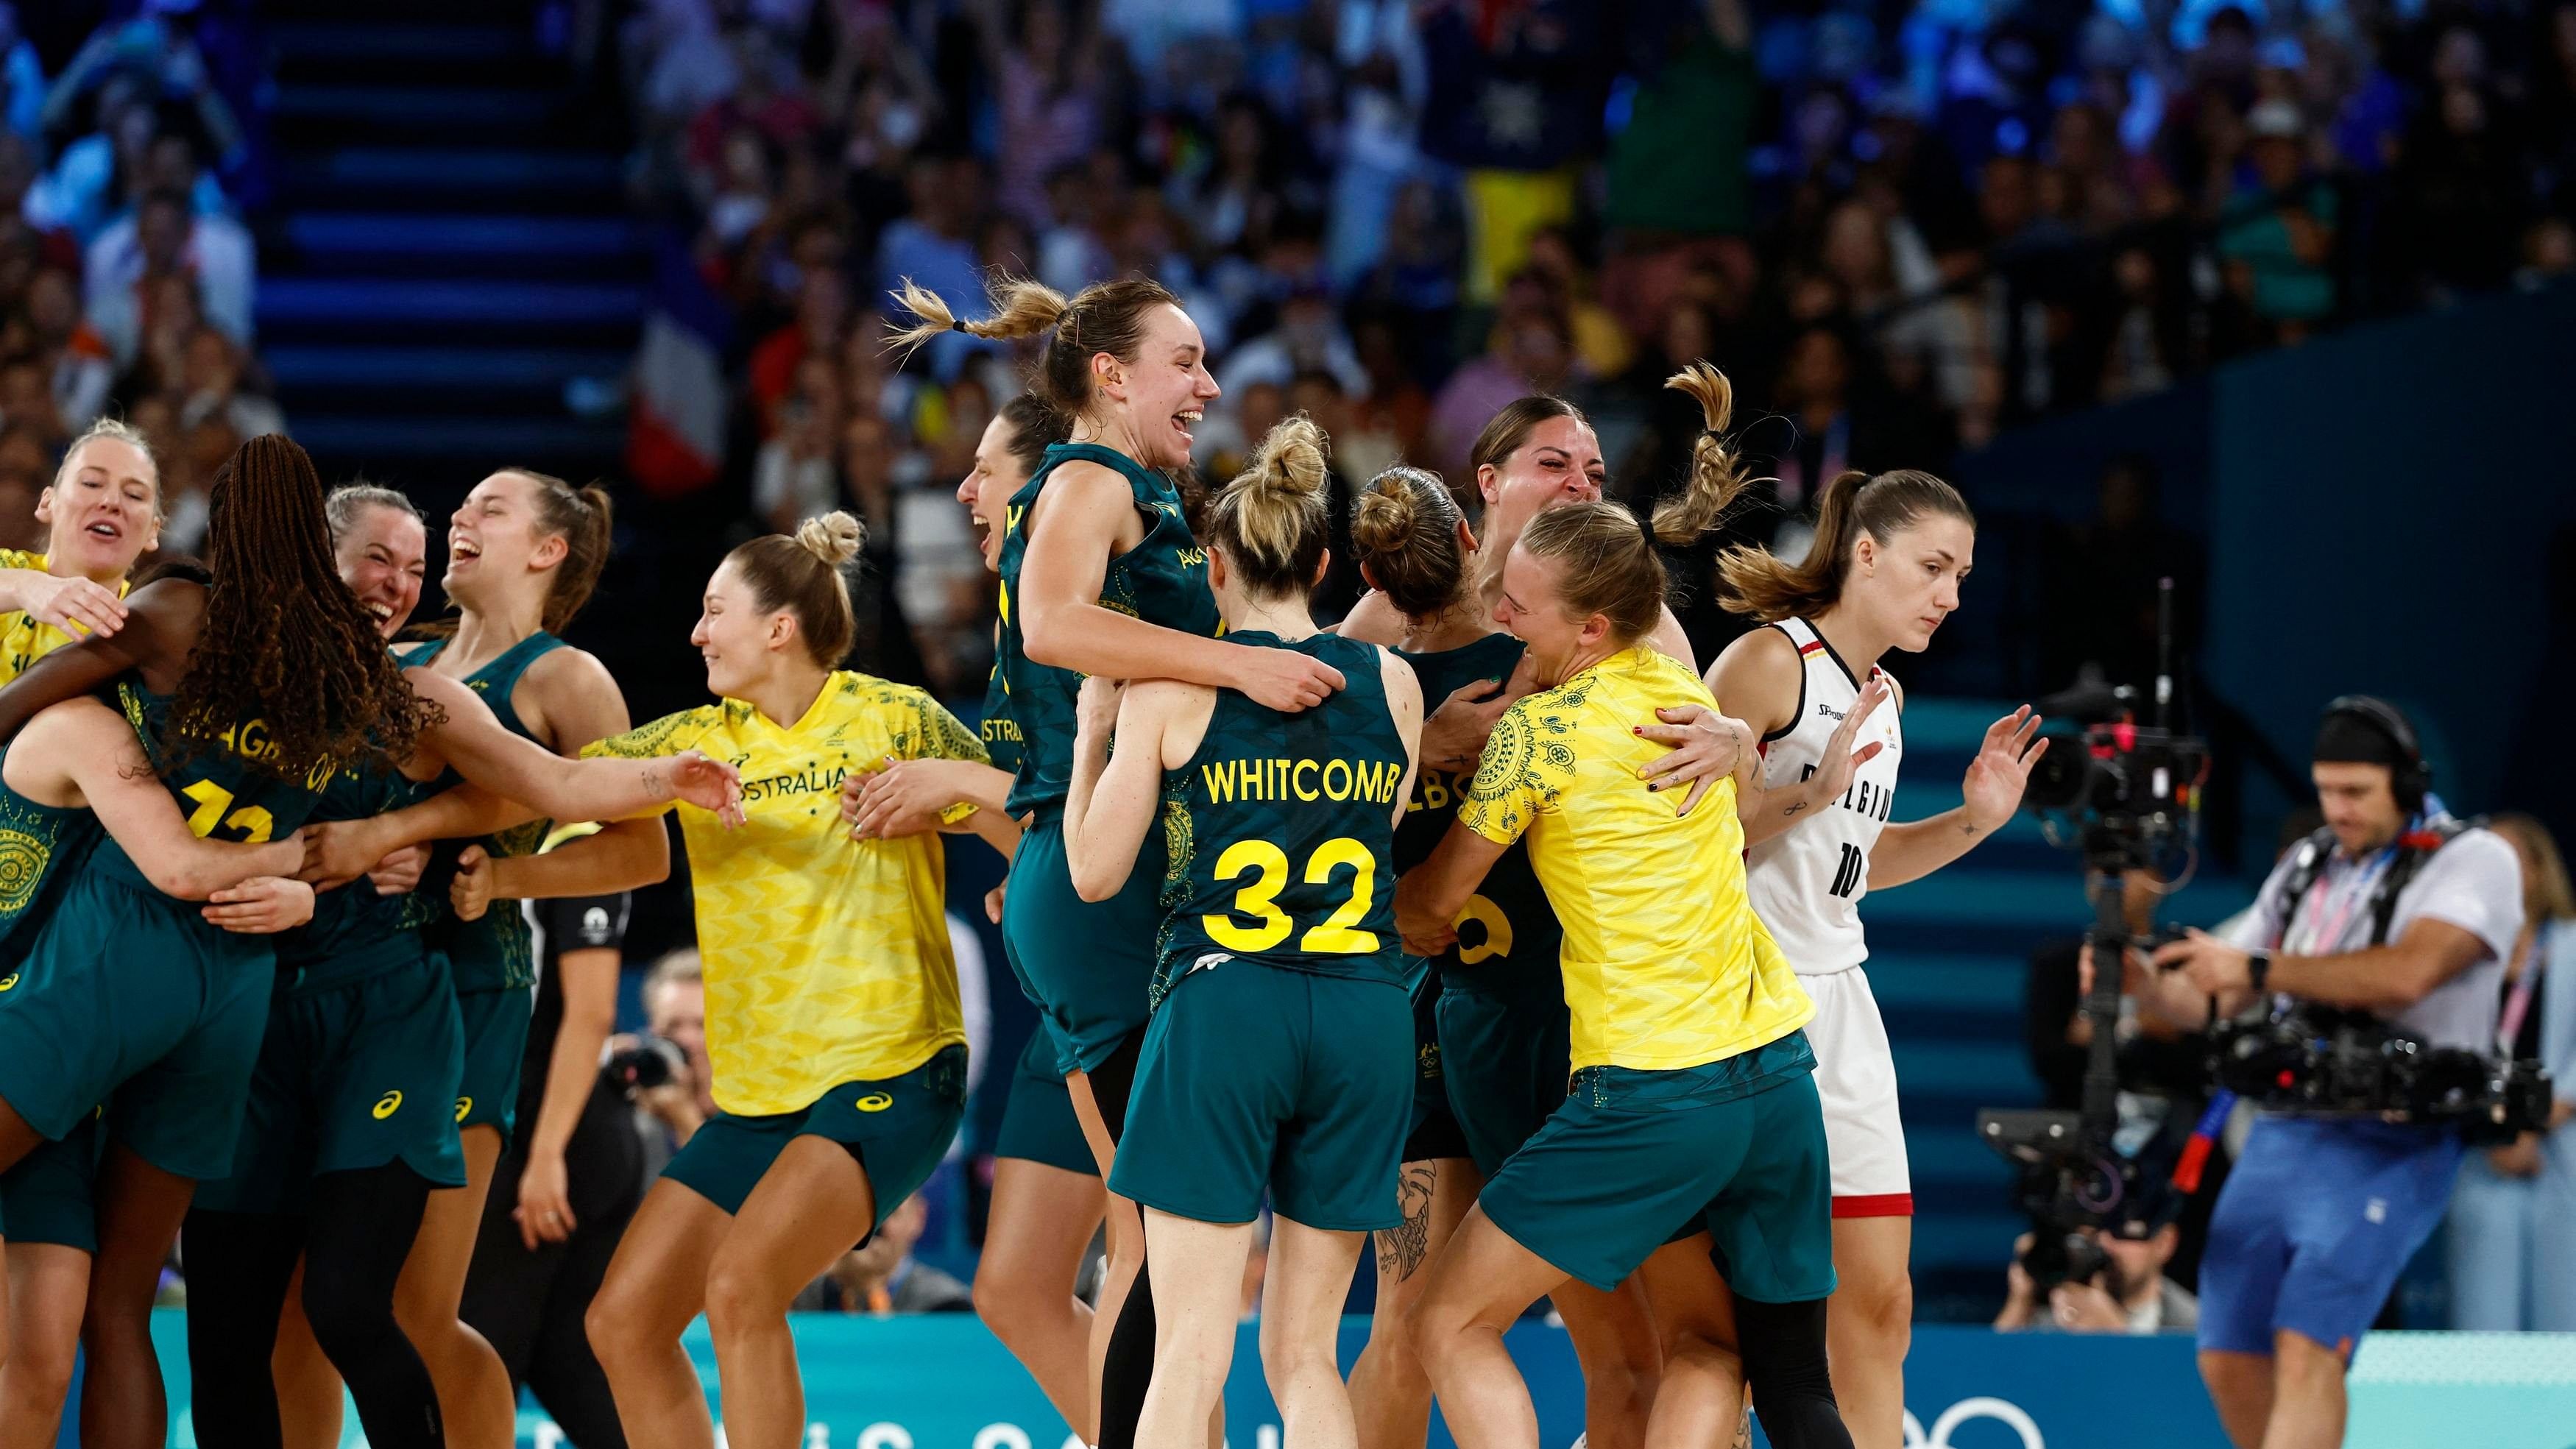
column 261, row 906
column 1707, row 747
column 1283, row 679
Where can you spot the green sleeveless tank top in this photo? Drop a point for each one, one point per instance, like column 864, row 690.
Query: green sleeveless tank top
column 224, row 795
column 495, row 953
column 1162, row 580
column 1508, row 940
column 1279, row 832
column 356, row 933
column 41, row 846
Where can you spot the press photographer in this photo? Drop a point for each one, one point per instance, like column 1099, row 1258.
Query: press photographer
column 2119, row 1286
column 2392, row 922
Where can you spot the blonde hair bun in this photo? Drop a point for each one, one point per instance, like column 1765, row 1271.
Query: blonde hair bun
column 834, row 538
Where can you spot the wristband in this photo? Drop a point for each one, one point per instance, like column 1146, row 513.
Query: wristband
column 2258, row 969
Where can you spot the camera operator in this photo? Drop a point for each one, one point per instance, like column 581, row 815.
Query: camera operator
column 665, row 1072
column 2126, row 1291
column 569, row 1179
column 2394, row 909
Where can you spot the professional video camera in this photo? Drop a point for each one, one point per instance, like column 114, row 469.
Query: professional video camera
column 2130, row 793
column 2317, row 1060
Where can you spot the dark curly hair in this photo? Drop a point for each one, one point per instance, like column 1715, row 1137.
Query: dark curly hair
column 283, row 640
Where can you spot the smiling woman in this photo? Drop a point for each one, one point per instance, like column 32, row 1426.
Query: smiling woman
column 103, row 510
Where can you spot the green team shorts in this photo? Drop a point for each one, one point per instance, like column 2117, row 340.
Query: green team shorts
column 496, row 1040
column 898, row 1129
column 1086, row 965
column 1504, row 1062
column 354, row 1073
column 1434, row 1132
column 48, row 1197
column 1257, row 1076
column 1038, row 1124
column 129, row 997
column 1737, row 1146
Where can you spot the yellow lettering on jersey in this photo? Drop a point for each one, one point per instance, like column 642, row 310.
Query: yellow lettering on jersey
column 1227, row 781
column 1221, row 779
column 1189, row 558
column 387, row 1105
column 1498, row 931
column 1258, row 900
column 1297, row 780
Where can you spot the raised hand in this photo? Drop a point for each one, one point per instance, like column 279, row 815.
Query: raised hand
column 1996, row 777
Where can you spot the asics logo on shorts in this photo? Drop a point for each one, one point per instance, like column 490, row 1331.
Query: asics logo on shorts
column 874, row 1102
column 387, row 1105
column 8, row 981
column 463, row 1106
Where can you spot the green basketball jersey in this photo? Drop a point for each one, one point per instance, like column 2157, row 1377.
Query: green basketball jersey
column 353, row 928
column 1508, row 934
column 1001, row 731
column 223, row 793
column 1162, row 580
column 1279, row 832
column 41, row 846
column 497, row 952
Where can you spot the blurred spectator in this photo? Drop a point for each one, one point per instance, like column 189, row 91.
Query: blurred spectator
column 22, row 78
column 2128, row 1294
column 883, row 1278
column 675, row 1011
column 211, row 388
column 2512, row 1266
column 1531, row 349
column 2276, row 236
column 167, row 242
column 2098, row 582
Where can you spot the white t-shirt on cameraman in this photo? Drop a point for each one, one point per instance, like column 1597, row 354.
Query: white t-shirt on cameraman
column 2473, row 882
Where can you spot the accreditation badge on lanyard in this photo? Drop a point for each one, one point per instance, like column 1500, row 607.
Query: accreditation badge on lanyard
column 2335, row 905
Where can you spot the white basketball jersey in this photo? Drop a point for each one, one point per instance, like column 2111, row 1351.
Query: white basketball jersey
column 1807, row 881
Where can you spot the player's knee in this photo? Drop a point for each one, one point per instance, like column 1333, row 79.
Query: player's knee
column 1881, row 1308
column 346, row 1325
column 40, row 1371
column 614, row 1325
column 1009, row 1303
column 738, row 1300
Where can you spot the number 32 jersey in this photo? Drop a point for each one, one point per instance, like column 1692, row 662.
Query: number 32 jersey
column 1280, row 831
column 1807, row 881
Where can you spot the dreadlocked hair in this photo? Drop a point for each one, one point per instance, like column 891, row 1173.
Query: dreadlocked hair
column 284, row 642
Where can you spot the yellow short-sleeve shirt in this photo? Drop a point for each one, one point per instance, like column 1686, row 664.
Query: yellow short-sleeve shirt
column 1665, row 964
column 24, row 639
column 827, row 958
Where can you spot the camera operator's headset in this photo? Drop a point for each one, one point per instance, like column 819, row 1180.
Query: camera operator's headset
column 2410, row 780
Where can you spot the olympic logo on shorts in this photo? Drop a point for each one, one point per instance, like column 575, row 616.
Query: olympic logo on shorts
column 2002, row 1411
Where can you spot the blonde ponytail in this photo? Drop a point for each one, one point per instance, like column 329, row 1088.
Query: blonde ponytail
column 1271, row 521
column 1021, row 308
column 1716, row 473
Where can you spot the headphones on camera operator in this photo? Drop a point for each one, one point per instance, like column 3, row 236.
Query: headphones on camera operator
column 2410, row 779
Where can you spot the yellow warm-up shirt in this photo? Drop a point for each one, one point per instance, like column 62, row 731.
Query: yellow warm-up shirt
column 1666, row 966
column 827, row 958
column 23, row 639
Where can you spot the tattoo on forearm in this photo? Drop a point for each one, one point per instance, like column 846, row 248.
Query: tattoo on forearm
column 657, row 780
column 1794, row 807
column 1401, row 1249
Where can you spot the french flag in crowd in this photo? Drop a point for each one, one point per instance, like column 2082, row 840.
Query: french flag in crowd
column 676, row 427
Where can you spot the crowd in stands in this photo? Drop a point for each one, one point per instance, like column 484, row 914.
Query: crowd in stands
column 1898, row 227
column 128, row 151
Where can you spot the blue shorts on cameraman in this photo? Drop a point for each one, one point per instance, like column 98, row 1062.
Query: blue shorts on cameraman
column 2314, row 1226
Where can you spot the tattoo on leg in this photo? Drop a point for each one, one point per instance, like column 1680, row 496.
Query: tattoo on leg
column 1401, row 1249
